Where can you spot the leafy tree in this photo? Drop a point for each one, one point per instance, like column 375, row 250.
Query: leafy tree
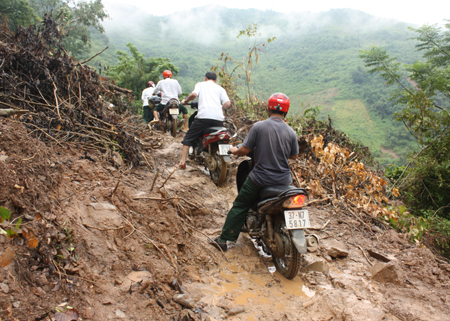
column 423, row 91
column 133, row 72
column 18, row 12
column 74, row 18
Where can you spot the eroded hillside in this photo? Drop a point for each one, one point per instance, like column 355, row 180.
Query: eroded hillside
column 111, row 247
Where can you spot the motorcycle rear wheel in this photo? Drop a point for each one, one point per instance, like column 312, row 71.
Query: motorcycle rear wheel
column 165, row 125
column 174, row 126
column 164, row 121
column 218, row 175
column 288, row 264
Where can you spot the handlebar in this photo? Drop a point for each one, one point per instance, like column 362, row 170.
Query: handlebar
column 237, row 146
column 193, row 104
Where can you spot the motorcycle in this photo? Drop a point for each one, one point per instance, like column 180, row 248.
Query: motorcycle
column 169, row 115
column 278, row 221
column 211, row 149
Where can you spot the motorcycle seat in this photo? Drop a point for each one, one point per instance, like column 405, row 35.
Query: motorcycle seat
column 274, row 191
column 210, row 130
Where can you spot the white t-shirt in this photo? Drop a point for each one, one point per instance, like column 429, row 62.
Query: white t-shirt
column 146, row 94
column 211, row 97
column 170, row 88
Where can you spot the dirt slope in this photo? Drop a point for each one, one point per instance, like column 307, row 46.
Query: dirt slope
column 111, row 247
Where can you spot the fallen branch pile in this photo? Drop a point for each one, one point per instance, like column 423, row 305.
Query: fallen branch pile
column 66, row 101
column 338, row 177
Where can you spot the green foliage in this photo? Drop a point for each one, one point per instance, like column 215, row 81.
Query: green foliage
column 312, row 112
column 134, row 71
column 379, row 62
column 423, row 92
column 18, row 12
column 5, row 214
column 394, row 173
column 7, row 227
column 414, row 226
column 75, row 18
column 440, row 231
column 299, row 121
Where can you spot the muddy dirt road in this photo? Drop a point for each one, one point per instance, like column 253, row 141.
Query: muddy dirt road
column 118, row 249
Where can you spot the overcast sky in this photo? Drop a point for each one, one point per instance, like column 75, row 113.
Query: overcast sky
column 415, row 12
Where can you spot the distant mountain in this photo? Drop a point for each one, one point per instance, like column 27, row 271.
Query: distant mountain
column 314, row 60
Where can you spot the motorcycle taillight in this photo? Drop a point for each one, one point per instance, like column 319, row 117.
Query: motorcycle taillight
column 222, row 135
column 295, row 201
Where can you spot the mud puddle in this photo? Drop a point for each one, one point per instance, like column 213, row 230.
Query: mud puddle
column 244, row 282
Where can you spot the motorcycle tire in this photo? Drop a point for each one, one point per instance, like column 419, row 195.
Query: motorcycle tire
column 219, row 175
column 166, row 123
column 174, row 127
column 288, row 264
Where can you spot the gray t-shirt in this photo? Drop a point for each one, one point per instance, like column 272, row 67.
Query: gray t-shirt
column 272, row 141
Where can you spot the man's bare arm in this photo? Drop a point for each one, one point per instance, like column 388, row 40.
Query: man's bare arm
column 191, row 96
column 241, row 151
column 226, row 105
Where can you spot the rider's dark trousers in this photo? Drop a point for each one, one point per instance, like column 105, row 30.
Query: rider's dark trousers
column 247, row 196
column 148, row 114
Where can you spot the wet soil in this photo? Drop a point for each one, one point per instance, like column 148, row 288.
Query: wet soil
column 123, row 242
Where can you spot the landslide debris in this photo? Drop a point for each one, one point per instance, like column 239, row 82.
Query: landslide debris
column 102, row 237
column 64, row 100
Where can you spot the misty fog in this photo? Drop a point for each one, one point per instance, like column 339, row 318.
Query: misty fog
column 210, row 24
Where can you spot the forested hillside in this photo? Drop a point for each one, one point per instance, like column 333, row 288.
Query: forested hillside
column 314, row 59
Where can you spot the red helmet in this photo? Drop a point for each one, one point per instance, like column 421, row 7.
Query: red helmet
column 150, row 84
column 279, row 101
column 167, row 73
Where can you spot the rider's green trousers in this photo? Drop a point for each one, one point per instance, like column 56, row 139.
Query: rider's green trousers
column 148, row 114
column 247, row 196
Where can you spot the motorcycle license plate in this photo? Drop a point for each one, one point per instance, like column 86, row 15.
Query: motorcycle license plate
column 296, row 219
column 223, row 149
column 173, row 111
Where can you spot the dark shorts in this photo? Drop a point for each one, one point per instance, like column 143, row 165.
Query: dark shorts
column 181, row 108
column 196, row 129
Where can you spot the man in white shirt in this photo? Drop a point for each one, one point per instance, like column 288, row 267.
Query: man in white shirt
column 212, row 100
column 146, row 94
column 170, row 88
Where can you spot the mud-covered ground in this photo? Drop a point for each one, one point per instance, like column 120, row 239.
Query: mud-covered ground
column 124, row 243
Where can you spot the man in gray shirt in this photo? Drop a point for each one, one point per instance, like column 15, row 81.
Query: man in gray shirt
column 273, row 143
